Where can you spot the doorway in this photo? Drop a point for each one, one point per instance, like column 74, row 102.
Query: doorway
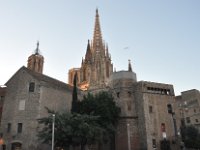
column 16, row 146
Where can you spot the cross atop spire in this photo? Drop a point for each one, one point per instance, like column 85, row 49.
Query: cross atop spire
column 37, row 49
column 129, row 65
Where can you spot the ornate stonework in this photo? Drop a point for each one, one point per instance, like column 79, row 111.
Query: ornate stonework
column 96, row 67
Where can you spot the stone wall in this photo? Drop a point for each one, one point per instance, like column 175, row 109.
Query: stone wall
column 188, row 108
column 153, row 100
column 23, row 106
column 2, row 98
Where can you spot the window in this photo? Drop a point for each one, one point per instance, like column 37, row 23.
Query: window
column 9, row 128
column 2, row 98
column 162, row 127
column 194, row 110
column 196, row 120
column 182, row 122
column 154, row 143
column 22, row 105
column 150, row 109
column 188, row 119
column 31, row 87
column 19, row 128
column 129, row 94
column 118, row 94
column 129, row 105
column 169, row 108
column 158, row 90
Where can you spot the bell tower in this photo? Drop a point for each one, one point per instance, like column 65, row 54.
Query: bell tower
column 36, row 61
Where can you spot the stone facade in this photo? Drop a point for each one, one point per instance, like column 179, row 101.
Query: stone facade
column 188, row 108
column 28, row 93
column 144, row 108
column 2, row 98
column 36, row 61
column 96, row 67
column 155, row 121
column 121, row 86
column 147, row 108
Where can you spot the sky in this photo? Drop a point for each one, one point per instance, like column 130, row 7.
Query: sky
column 161, row 38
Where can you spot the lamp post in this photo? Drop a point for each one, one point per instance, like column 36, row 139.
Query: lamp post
column 128, row 135
column 53, row 127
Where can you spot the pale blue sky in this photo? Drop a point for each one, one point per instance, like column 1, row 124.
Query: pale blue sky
column 163, row 37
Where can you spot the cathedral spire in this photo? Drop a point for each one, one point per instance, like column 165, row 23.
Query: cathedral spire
column 88, row 55
column 129, row 65
column 97, row 37
column 107, row 53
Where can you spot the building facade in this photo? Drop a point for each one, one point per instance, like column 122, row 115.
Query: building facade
column 29, row 92
column 96, row 67
column 146, row 118
column 188, row 108
column 2, row 98
column 147, row 108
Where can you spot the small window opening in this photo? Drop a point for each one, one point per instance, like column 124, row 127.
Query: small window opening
column 150, row 109
column 154, row 143
column 118, row 94
column 129, row 94
column 19, row 128
column 188, row 119
column 2, row 98
column 169, row 108
column 31, row 87
column 9, row 128
column 129, row 105
column 163, row 127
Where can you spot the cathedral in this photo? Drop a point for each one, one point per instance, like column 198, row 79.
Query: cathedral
column 96, row 67
column 146, row 107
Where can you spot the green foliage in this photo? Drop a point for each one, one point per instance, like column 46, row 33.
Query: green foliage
column 102, row 105
column 74, row 108
column 71, row 129
column 191, row 137
column 165, row 144
column 95, row 122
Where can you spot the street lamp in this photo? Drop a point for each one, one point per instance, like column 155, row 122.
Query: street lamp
column 53, row 127
column 128, row 135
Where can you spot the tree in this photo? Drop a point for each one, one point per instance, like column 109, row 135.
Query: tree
column 102, row 105
column 93, row 121
column 74, row 108
column 190, row 136
column 71, row 129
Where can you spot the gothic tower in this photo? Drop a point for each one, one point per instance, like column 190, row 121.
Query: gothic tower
column 36, row 61
column 96, row 67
